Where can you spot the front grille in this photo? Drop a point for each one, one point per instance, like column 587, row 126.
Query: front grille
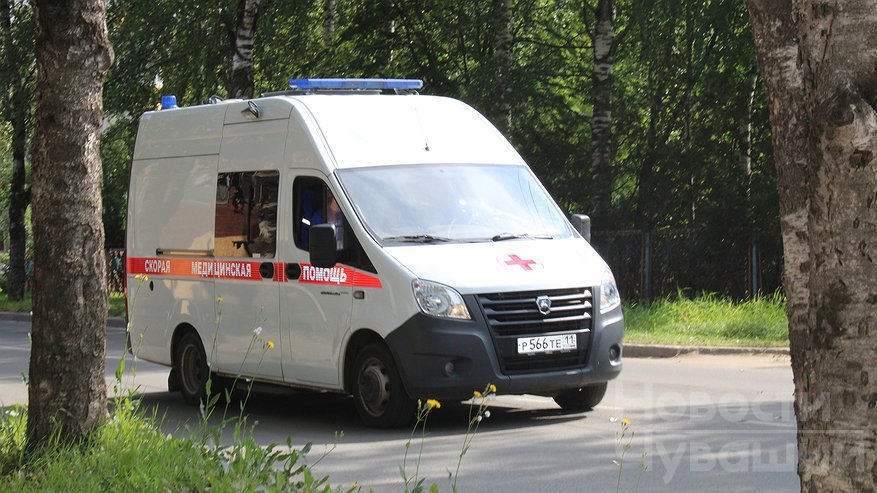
column 514, row 315
column 517, row 313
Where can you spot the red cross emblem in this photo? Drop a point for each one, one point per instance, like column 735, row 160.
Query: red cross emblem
column 522, row 263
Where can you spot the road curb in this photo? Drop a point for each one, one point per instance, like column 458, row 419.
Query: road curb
column 115, row 322
column 667, row 351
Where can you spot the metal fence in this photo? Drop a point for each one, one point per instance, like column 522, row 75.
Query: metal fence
column 655, row 264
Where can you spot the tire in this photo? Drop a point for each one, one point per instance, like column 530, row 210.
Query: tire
column 583, row 399
column 190, row 365
column 378, row 393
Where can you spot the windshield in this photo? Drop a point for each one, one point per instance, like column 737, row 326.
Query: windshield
column 430, row 203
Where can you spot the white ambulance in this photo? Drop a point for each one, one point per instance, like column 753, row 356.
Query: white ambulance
column 353, row 236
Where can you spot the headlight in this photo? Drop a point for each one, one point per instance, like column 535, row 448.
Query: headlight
column 439, row 301
column 609, row 297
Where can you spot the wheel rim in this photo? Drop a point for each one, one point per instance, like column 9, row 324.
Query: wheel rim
column 373, row 384
column 191, row 367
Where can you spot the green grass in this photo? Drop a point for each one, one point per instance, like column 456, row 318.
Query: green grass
column 708, row 321
column 15, row 306
column 131, row 453
column 116, row 305
column 115, row 308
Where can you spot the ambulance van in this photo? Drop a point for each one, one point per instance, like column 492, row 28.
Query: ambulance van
column 353, row 236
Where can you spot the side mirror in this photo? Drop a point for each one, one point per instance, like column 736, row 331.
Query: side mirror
column 323, row 246
column 582, row 224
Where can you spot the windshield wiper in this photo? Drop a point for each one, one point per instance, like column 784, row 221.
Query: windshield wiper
column 512, row 236
column 416, row 238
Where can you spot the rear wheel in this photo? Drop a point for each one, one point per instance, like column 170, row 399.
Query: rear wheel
column 380, row 398
column 583, row 399
column 190, row 365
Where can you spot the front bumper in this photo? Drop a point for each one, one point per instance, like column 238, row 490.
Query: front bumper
column 449, row 359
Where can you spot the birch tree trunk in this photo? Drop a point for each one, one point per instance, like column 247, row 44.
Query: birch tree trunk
column 329, row 14
column 744, row 139
column 16, row 112
column 66, row 392
column 502, row 56
column 601, row 123
column 818, row 61
column 242, row 82
column 388, row 33
column 744, row 129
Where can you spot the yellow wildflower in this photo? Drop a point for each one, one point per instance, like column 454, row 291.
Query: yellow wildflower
column 476, row 394
column 270, row 344
column 141, row 277
column 219, row 299
column 625, row 421
column 492, row 388
column 433, row 404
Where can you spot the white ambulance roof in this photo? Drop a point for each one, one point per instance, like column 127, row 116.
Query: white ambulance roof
column 373, row 130
column 352, row 130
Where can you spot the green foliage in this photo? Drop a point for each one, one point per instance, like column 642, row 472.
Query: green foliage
column 22, row 306
column 131, row 453
column 117, row 148
column 13, row 429
column 708, row 320
column 682, row 88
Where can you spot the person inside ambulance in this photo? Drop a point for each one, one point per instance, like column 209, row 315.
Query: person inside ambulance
column 330, row 213
column 336, row 217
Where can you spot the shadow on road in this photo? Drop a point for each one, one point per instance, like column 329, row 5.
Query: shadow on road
column 313, row 416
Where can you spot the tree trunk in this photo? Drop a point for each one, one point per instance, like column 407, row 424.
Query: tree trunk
column 16, row 114
column 601, row 123
column 388, row 33
column 329, row 15
column 19, row 197
column 66, row 392
column 744, row 128
column 502, row 56
column 821, row 92
column 242, row 82
column 644, row 217
column 744, row 139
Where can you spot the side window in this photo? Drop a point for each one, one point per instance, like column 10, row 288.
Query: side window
column 246, row 214
column 314, row 203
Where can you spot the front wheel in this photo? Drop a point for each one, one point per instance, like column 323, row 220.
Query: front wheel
column 583, row 399
column 190, row 365
column 380, row 398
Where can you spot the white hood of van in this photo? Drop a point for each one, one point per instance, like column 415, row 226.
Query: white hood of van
column 511, row 265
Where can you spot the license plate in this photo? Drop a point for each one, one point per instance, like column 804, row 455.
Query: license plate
column 546, row 344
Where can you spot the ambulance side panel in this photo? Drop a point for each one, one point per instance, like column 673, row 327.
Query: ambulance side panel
column 315, row 319
column 171, row 209
column 250, row 309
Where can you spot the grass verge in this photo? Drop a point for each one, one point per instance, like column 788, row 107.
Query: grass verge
column 115, row 304
column 708, row 320
column 130, row 453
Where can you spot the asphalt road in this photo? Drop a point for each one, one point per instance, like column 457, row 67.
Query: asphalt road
column 697, row 423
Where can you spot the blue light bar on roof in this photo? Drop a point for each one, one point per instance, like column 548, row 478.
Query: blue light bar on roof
column 355, row 84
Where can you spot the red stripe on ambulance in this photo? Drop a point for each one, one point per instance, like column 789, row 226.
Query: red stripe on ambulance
column 247, row 271
column 337, row 276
